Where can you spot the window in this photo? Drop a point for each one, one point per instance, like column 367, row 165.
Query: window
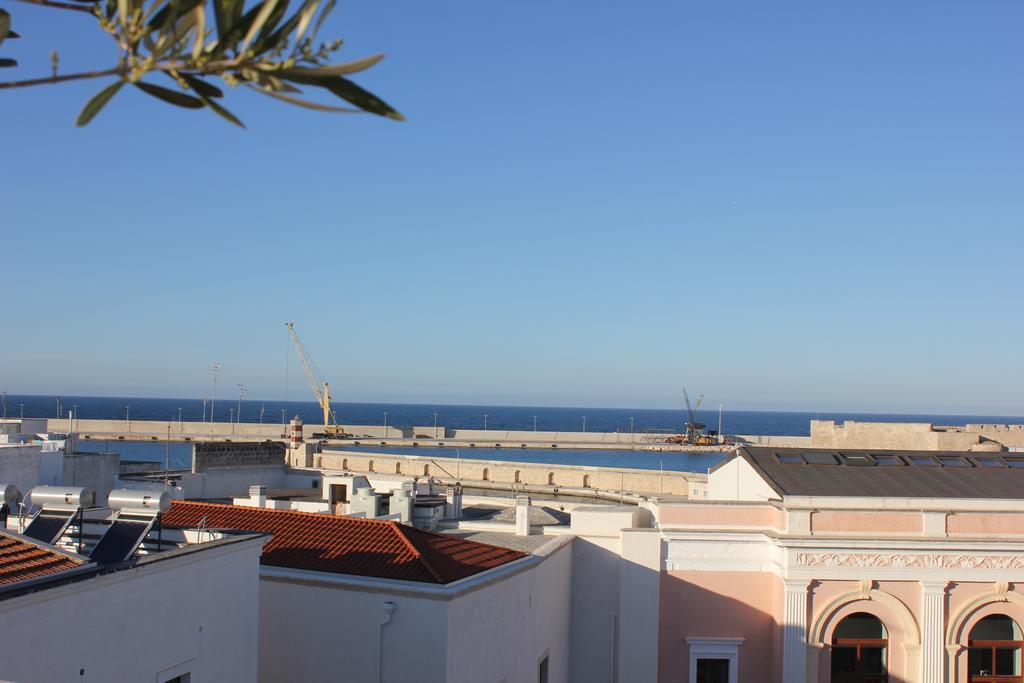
column 922, row 460
column 542, row 671
column 714, row 660
column 859, row 649
column 819, row 458
column 994, row 649
column 712, row 671
column 989, row 462
column 856, row 459
column 1014, row 462
column 790, row 458
column 953, row 461
column 883, row 459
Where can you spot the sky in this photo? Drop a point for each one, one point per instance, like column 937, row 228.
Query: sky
column 783, row 206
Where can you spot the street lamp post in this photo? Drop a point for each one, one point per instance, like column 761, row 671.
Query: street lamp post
column 204, row 410
column 213, row 396
column 435, row 426
column 282, row 417
column 485, row 422
column 385, row 424
column 179, row 418
column 241, row 393
column 21, row 407
column 584, row 424
column 73, row 417
column 231, row 419
column 534, row 423
column 127, row 418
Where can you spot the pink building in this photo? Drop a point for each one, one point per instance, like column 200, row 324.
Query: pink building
column 809, row 566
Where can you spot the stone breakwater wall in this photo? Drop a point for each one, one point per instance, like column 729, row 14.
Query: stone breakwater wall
column 652, row 482
column 366, row 434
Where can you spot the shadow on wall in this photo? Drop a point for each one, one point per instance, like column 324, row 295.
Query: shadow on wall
column 731, row 604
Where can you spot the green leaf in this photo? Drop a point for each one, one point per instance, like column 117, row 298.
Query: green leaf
column 266, row 10
column 346, row 90
column 93, row 106
column 307, row 104
column 344, row 68
column 5, row 24
column 179, row 7
column 222, row 111
column 202, row 88
column 172, row 96
column 323, row 15
column 4, row 62
column 263, row 40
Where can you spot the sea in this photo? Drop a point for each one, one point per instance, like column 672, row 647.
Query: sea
column 772, row 423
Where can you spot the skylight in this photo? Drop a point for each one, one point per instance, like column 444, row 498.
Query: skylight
column 817, row 458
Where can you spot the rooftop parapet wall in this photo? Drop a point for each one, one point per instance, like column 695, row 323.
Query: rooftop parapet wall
column 653, row 482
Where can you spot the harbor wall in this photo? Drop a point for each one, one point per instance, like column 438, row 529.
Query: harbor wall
column 653, row 482
column 913, row 436
column 159, row 430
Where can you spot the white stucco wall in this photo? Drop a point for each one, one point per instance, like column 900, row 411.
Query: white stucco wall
column 489, row 628
column 195, row 613
column 502, row 631
column 21, row 466
column 737, row 480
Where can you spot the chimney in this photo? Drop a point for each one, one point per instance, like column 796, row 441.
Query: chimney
column 455, row 502
column 258, row 496
column 401, row 504
column 365, row 501
column 522, row 515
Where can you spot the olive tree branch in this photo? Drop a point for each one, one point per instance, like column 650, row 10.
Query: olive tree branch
column 88, row 9
column 58, row 79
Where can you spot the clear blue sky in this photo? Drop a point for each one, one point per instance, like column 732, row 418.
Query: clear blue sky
column 785, row 205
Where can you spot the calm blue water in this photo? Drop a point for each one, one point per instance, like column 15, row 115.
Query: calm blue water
column 460, row 417
column 647, row 460
column 452, row 416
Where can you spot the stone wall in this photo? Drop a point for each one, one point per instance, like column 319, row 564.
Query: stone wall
column 217, row 455
column 910, row 436
column 651, row 482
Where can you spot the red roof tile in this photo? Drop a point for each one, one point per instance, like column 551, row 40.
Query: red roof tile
column 348, row 545
column 21, row 559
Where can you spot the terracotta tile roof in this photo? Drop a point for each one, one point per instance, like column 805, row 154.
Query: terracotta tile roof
column 22, row 559
column 348, row 545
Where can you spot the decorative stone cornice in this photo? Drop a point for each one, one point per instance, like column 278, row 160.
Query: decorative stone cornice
column 908, row 561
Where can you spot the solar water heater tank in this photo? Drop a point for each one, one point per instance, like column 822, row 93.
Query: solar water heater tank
column 9, row 494
column 66, row 497
column 127, row 499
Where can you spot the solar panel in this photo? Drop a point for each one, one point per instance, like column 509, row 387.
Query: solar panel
column 49, row 525
column 123, row 537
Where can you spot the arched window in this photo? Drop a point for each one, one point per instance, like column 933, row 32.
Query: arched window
column 860, row 650
column 426, row 470
column 994, row 649
column 486, row 474
column 551, row 478
column 369, row 467
column 517, row 476
column 344, row 464
column 586, row 481
column 398, row 468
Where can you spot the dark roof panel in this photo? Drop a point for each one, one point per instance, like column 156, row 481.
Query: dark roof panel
column 926, row 474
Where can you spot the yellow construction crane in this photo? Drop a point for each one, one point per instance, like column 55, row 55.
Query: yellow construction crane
column 323, row 395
